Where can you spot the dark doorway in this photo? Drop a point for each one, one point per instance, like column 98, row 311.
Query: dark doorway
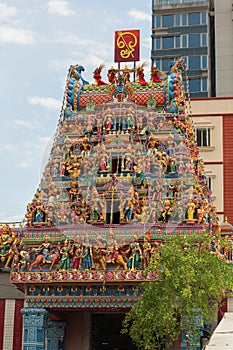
column 106, row 333
column 112, row 212
column 116, row 165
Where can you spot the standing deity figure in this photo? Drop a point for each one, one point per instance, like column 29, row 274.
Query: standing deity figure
column 112, row 75
column 65, row 256
column 76, row 252
column 191, row 211
column 39, row 215
column 97, row 75
column 146, row 251
column 135, row 254
column 126, row 74
column 87, row 260
column 140, row 75
column 155, row 77
column 5, row 242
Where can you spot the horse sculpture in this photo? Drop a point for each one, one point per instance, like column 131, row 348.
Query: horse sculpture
column 40, row 260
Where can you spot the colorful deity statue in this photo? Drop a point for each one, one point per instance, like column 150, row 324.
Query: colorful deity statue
column 39, row 215
column 126, row 74
column 76, row 253
column 45, row 249
column 155, row 77
column 74, row 87
column 166, row 212
column 140, row 75
column 87, row 260
column 112, row 75
column 5, row 236
column 65, row 253
column 97, row 75
column 135, row 254
column 7, row 245
column 146, row 250
column 98, row 256
column 191, row 211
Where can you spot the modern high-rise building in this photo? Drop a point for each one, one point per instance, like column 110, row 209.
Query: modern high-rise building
column 202, row 32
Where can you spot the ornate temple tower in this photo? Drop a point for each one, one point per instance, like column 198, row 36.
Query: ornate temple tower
column 123, row 174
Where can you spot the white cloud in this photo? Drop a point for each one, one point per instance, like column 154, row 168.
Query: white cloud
column 10, row 29
column 26, row 124
column 59, row 7
column 47, row 102
column 26, row 165
column 9, row 147
column 13, row 218
column 139, row 15
column 45, row 139
column 146, row 43
column 63, row 38
column 34, row 146
column 6, row 12
column 9, row 34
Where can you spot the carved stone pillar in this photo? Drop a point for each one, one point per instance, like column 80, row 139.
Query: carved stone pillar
column 34, row 324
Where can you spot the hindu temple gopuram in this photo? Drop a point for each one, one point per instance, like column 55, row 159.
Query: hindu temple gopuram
column 123, row 174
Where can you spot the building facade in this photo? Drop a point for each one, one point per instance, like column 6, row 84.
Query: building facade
column 213, row 123
column 124, row 174
column 200, row 31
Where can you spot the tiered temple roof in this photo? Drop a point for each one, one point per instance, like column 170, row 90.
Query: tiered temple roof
column 123, row 174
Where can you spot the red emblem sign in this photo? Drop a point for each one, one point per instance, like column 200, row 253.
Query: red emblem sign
column 127, row 45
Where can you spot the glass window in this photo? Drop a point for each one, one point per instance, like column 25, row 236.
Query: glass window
column 166, row 64
column 158, row 63
column 184, row 19
column 194, row 62
column 194, row 40
column 203, row 16
column 184, row 41
column 167, row 21
column 158, row 40
column 178, row 20
column 203, row 137
column 158, row 21
column 209, row 182
column 168, row 42
column 194, row 18
column 185, row 58
column 195, row 85
column 185, row 85
column 177, row 42
column 204, row 84
column 169, row 2
column 204, row 62
column 204, row 40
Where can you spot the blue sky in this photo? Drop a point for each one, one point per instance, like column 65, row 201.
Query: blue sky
column 39, row 40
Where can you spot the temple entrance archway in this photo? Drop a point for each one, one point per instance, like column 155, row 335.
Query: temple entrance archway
column 91, row 330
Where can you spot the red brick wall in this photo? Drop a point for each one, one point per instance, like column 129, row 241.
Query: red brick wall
column 228, row 166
